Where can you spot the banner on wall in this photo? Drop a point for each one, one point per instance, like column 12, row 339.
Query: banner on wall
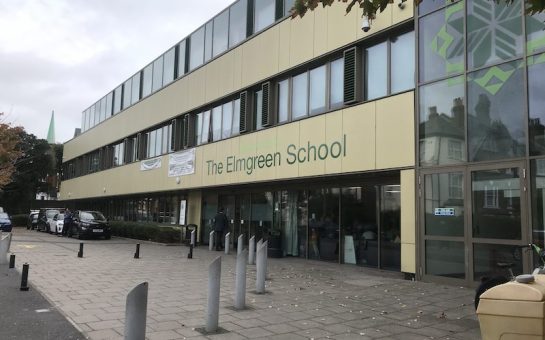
column 150, row 164
column 181, row 163
column 183, row 204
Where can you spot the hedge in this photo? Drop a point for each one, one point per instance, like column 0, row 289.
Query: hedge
column 146, row 231
column 19, row 220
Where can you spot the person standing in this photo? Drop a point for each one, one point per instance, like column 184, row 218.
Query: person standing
column 67, row 222
column 220, row 226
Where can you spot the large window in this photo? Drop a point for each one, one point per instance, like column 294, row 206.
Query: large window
column 237, row 22
column 209, row 27
column 157, row 74
column 119, row 154
column 283, row 100
column 402, row 62
column 317, row 100
column 376, row 71
column 258, row 109
column 135, row 91
column 536, row 104
column 168, row 66
column 299, row 94
column 263, row 14
column 216, row 123
column 336, row 83
column 227, row 120
column 181, row 58
column 196, row 49
column 146, row 82
column 221, row 33
column 127, row 93
column 109, row 99
column 118, row 92
column 288, row 4
column 202, row 127
column 102, row 104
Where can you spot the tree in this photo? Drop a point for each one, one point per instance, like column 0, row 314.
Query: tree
column 370, row 8
column 9, row 153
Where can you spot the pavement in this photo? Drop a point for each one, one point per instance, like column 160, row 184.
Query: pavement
column 304, row 300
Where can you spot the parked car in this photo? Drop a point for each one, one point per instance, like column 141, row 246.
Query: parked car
column 45, row 217
column 5, row 222
column 55, row 225
column 32, row 220
column 86, row 224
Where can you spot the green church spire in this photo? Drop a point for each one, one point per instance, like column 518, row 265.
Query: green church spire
column 51, row 131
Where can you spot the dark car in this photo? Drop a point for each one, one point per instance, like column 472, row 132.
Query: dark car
column 32, row 220
column 87, row 224
column 5, row 222
column 45, row 217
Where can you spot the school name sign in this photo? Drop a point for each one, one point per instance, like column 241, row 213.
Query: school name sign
column 293, row 154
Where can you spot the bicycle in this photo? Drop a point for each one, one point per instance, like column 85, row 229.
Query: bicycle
column 490, row 282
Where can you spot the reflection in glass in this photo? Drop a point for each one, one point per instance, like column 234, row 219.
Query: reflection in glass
column 299, row 96
column 496, row 124
column 390, row 227
column 109, row 98
column 221, row 33
column 157, row 74
column 117, row 98
column 181, row 58
column 290, row 218
column 168, row 67
column 288, row 5
column 538, row 201
column 135, row 88
column 236, row 118
column 441, row 43
column 196, row 49
column 209, row 27
column 227, row 120
column 102, row 104
column 127, row 93
column 263, row 14
column 323, row 210
column 536, row 104
column 336, row 83
column 445, row 258
column 496, row 204
column 258, row 110
column 209, row 210
column 216, row 123
column 317, row 89
column 283, row 100
column 426, row 7
column 402, row 62
column 376, row 71
column 262, row 215
column 486, row 258
column 444, row 204
column 535, row 33
column 494, row 32
column 442, row 122
column 237, row 22
column 147, row 80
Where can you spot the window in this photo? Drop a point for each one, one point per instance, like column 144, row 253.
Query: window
column 102, row 109
column 181, row 58
column 91, row 117
column 196, row 49
column 221, row 33
column 208, row 41
column 216, row 123
column 83, row 120
column 158, row 141
column 336, row 85
column 455, row 151
column 376, row 71
column 157, row 74
column 263, row 14
column 536, row 105
column 227, row 120
column 299, row 94
column 146, row 83
column 258, row 109
column 109, row 98
column 119, row 154
column 237, row 22
column 288, row 5
column 168, row 67
column 135, row 88
column 455, row 186
column 317, row 100
column 127, row 93
column 203, row 127
column 402, row 62
column 152, row 135
column 235, row 130
column 117, row 99
column 283, row 100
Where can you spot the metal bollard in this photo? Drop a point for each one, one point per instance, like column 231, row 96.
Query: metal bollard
column 227, row 242
column 135, row 313
column 251, row 250
column 240, row 280
column 212, row 309
column 80, row 253
column 240, row 244
column 24, row 278
column 4, row 247
column 137, row 254
column 12, row 261
column 211, row 240
column 190, row 254
column 260, row 270
column 193, row 238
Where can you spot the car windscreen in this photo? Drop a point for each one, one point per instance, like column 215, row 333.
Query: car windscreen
column 51, row 213
column 60, row 217
column 92, row 216
column 4, row 215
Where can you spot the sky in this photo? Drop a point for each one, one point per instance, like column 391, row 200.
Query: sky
column 64, row 55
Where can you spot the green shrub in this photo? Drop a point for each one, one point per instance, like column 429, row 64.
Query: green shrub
column 19, row 220
column 146, row 231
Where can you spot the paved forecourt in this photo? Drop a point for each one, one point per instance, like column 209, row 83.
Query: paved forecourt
column 304, row 299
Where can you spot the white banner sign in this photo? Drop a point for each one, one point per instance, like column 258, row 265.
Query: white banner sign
column 150, row 164
column 181, row 163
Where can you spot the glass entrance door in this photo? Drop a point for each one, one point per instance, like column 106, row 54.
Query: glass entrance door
column 472, row 219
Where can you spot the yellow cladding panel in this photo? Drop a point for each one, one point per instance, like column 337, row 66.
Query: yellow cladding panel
column 284, row 34
column 260, row 57
column 382, row 21
column 209, row 153
column 285, row 135
column 340, row 28
column 320, row 31
column 196, row 91
column 194, row 200
column 224, row 150
column 301, row 39
column 266, row 145
column 408, row 207
column 311, row 136
column 402, row 14
column 237, row 67
column 247, row 148
column 195, row 180
column 212, row 84
column 408, row 258
column 334, row 138
column 395, row 131
column 359, row 127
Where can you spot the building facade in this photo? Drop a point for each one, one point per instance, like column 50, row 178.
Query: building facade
column 412, row 147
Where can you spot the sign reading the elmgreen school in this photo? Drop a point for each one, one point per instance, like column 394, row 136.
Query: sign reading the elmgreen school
column 294, row 154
